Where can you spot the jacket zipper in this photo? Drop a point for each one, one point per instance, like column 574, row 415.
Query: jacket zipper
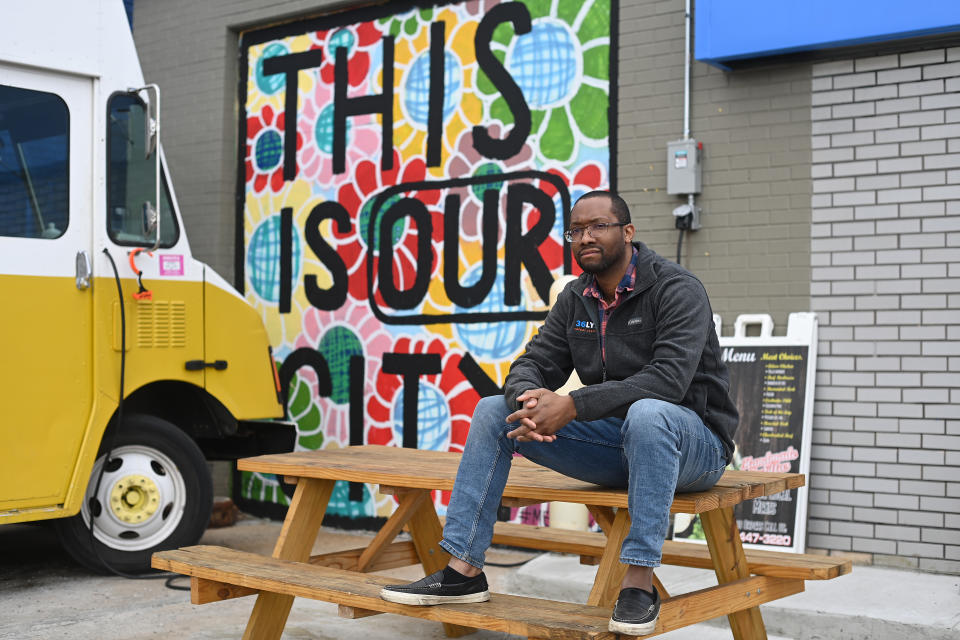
column 600, row 339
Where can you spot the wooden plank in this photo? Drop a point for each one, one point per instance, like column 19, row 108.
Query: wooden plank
column 409, row 503
column 303, row 520
column 549, row 539
column 206, row 591
column 397, row 554
column 603, row 516
column 516, row 503
column 516, row 615
column 425, row 469
column 354, row 613
column 606, row 585
column 737, row 596
column 402, row 554
column 297, row 536
column 658, row 585
column 589, row 544
column 730, row 564
column 390, row 490
column 426, row 531
column 765, row 562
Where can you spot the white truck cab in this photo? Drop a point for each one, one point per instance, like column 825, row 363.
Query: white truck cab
column 79, row 168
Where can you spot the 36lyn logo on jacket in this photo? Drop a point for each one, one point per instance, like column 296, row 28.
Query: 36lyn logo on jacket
column 634, row 322
column 584, row 325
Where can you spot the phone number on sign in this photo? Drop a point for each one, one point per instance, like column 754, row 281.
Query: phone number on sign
column 764, row 538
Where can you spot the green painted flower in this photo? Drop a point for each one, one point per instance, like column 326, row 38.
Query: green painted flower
column 305, row 412
column 262, row 487
column 337, row 346
column 562, row 66
column 406, row 23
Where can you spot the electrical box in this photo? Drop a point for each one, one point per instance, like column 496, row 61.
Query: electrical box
column 683, row 167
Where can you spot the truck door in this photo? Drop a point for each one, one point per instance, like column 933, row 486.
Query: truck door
column 46, row 206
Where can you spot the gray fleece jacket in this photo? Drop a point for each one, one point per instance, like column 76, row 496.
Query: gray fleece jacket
column 660, row 343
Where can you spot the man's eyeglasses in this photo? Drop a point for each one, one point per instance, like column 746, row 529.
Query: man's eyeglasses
column 595, row 230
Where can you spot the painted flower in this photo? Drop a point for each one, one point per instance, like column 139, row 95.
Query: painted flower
column 357, row 197
column 360, row 40
column 262, row 89
column 304, row 411
column 262, row 259
column 467, row 161
column 493, row 344
column 323, row 422
column 563, row 69
column 408, row 23
column 262, row 487
column 264, row 159
column 338, row 336
column 315, row 126
column 461, row 107
column 445, row 403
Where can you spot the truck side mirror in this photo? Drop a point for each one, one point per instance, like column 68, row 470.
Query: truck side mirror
column 150, row 218
column 151, row 215
column 151, row 134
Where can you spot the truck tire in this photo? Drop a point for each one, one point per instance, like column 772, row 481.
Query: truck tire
column 156, row 493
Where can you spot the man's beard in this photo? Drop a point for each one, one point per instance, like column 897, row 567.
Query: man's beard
column 606, row 261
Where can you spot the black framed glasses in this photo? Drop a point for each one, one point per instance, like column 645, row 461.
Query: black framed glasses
column 595, row 230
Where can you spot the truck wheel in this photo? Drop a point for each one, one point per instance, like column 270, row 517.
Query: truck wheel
column 156, row 494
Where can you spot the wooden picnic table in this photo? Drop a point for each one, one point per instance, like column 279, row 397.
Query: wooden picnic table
column 744, row 580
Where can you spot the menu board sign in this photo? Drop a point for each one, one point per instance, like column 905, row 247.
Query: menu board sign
column 771, row 382
column 768, row 384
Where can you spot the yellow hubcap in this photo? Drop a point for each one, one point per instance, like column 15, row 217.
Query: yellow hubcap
column 134, row 499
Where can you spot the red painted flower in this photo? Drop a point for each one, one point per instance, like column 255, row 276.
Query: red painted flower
column 446, row 402
column 264, row 159
column 358, row 39
column 357, row 197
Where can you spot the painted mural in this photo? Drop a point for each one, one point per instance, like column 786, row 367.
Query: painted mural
column 406, row 175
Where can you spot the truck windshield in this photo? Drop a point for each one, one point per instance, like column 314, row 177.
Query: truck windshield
column 34, row 175
column 130, row 179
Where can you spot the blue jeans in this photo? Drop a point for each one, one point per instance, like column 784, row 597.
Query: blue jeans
column 658, row 449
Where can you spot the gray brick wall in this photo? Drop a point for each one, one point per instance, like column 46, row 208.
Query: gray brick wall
column 885, row 246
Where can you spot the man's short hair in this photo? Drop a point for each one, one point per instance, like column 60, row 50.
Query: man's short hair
column 618, row 207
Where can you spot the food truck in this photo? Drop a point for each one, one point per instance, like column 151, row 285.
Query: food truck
column 127, row 363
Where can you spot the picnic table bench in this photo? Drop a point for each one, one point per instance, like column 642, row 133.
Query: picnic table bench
column 745, row 579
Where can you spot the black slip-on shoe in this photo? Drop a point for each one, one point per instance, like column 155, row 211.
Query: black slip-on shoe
column 636, row 612
column 432, row 590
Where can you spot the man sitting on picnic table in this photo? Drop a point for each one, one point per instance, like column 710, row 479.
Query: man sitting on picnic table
column 654, row 414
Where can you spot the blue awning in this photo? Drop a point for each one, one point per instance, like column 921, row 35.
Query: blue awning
column 730, row 30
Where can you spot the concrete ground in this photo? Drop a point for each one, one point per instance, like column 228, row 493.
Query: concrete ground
column 45, row 595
